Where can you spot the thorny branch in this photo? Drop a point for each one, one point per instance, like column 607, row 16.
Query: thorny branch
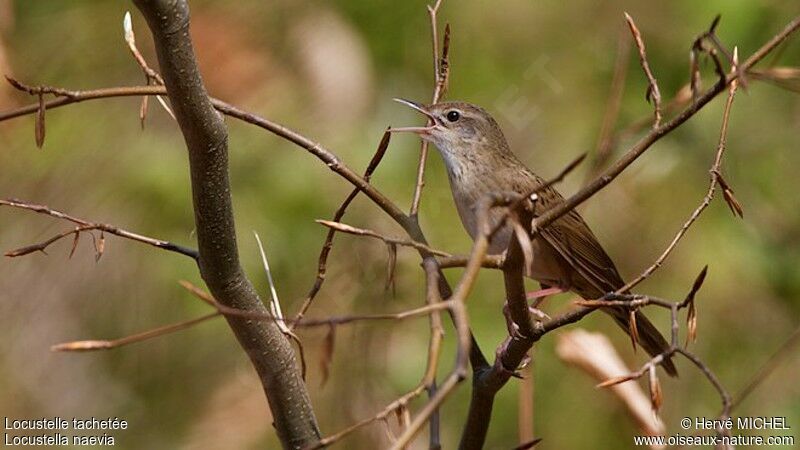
column 84, row 225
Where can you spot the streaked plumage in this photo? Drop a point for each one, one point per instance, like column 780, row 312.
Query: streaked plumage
column 567, row 253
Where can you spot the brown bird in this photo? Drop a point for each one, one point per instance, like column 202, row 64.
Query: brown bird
column 566, row 254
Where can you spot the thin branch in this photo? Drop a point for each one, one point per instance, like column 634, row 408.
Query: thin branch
column 714, row 172
column 652, row 90
column 322, row 261
column 489, row 261
column 308, row 322
column 441, row 73
column 150, row 75
column 344, row 228
column 655, row 135
column 380, row 415
column 87, row 225
column 91, row 345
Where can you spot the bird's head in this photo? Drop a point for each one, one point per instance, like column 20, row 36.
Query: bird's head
column 457, row 128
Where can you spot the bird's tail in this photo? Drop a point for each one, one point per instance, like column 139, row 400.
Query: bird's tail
column 649, row 337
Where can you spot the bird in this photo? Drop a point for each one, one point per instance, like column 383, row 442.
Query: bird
column 567, row 256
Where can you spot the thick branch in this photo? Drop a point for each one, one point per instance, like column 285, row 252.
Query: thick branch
column 206, row 139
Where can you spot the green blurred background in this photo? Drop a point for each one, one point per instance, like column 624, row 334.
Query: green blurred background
column 329, row 69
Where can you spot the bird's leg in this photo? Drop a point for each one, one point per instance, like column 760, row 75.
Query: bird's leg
column 498, row 360
column 538, row 297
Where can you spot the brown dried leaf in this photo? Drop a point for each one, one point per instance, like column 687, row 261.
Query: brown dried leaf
column 698, row 283
column 656, row 396
column 633, row 329
column 326, row 356
column 730, row 199
column 444, row 61
column 733, row 203
column 100, row 247
column 691, row 324
column 391, row 267
column 39, row 124
column 143, row 110
column 378, row 156
column 75, row 242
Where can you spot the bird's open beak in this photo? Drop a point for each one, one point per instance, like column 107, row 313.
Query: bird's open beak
column 420, row 108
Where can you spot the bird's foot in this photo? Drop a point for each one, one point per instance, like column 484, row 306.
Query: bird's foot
column 538, row 314
column 498, row 360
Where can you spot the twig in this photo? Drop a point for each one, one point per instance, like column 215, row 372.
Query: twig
column 652, row 89
column 647, row 141
column 322, row 261
column 150, row 75
column 441, row 73
column 714, row 173
column 87, row 225
column 381, row 415
column 91, row 345
column 275, row 308
column 344, row 228
column 489, row 261
column 306, row 322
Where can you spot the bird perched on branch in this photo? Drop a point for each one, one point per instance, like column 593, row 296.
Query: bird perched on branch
column 566, row 254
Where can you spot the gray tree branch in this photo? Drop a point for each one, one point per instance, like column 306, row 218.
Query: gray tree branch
column 207, row 142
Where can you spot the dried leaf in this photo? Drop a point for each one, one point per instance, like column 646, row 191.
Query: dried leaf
column 633, row 329
column 39, row 124
column 656, row 396
column 691, row 324
column 391, row 267
column 378, row 156
column 698, row 283
column 714, row 24
column 75, row 242
column 733, row 203
column 100, row 247
column 444, row 61
column 326, row 356
column 143, row 110
column 403, row 416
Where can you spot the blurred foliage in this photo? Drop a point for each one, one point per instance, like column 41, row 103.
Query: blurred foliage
column 543, row 69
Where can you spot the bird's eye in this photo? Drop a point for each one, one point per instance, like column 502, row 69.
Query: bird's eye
column 452, row 116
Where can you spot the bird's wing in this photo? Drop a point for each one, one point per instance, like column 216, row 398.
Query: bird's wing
column 575, row 242
column 573, row 239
